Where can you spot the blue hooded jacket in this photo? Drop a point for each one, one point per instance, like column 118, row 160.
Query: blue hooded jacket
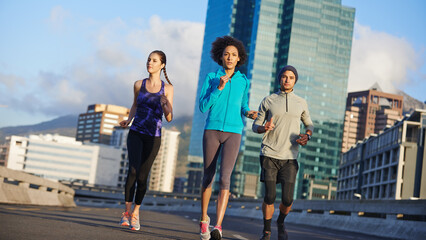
column 226, row 107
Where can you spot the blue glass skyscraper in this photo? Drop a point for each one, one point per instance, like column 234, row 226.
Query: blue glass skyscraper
column 315, row 36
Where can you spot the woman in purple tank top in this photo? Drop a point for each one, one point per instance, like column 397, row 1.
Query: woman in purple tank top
column 152, row 99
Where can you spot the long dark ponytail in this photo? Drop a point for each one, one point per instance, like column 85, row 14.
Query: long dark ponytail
column 163, row 60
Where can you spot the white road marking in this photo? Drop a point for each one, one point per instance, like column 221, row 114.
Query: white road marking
column 240, row 237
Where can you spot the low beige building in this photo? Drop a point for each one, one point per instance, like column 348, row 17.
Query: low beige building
column 388, row 165
column 97, row 124
column 369, row 112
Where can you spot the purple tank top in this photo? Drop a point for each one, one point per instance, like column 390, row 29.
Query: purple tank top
column 149, row 113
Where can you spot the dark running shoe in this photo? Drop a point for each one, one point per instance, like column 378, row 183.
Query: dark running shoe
column 266, row 235
column 282, row 233
column 216, row 233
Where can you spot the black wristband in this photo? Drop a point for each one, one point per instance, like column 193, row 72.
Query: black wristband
column 309, row 136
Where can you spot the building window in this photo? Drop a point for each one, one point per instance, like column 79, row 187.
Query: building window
column 111, row 116
column 108, row 126
column 110, row 121
column 107, row 131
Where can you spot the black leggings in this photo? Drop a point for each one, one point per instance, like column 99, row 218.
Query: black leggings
column 142, row 151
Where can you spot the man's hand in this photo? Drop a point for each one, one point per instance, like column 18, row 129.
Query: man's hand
column 303, row 140
column 252, row 114
column 269, row 125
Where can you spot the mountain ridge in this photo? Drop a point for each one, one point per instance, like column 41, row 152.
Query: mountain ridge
column 410, row 103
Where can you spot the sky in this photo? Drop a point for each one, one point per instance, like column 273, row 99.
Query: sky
column 57, row 57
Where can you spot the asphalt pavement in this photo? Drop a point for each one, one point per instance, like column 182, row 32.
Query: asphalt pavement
column 22, row 222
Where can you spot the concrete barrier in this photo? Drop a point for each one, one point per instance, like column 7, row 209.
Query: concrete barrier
column 18, row 187
column 397, row 219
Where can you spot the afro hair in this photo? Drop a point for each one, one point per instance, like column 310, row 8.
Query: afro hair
column 219, row 45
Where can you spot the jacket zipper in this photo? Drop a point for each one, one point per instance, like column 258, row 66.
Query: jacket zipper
column 286, row 102
column 227, row 103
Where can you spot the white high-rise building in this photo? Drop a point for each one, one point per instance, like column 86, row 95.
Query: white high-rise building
column 162, row 176
column 63, row 158
column 119, row 140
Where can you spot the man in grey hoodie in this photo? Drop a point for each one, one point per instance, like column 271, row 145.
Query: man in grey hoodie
column 279, row 118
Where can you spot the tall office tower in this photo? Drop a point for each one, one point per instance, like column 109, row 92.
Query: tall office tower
column 97, row 124
column 369, row 112
column 313, row 36
column 163, row 170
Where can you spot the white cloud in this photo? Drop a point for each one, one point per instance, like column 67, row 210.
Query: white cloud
column 10, row 82
column 382, row 58
column 107, row 74
column 57, row 17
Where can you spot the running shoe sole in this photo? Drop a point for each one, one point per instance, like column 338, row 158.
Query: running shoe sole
column 215, row 235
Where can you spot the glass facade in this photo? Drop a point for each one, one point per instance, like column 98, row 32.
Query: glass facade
column 320, row 43
column 313, row 36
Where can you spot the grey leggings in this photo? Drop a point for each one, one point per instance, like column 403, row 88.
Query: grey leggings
column 213, row 142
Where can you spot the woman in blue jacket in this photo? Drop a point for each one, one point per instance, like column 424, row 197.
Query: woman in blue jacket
column 225, row 96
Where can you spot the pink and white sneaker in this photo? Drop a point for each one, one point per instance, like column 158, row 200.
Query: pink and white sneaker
column 204, row 229
column 125, row 219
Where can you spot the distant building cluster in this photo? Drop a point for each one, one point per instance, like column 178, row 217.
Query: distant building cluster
column 98, row 154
